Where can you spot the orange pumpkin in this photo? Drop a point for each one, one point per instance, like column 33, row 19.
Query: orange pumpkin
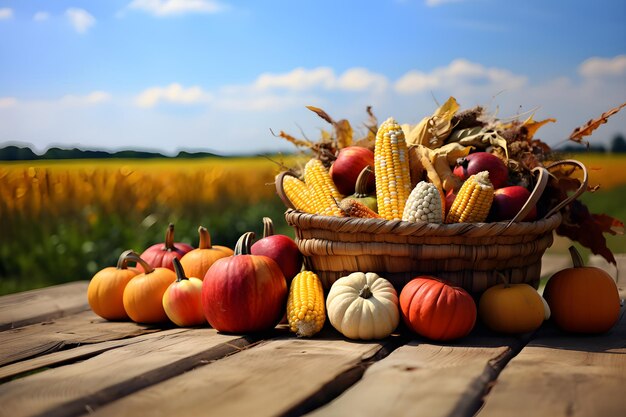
column 436, row 309
column 106, row 289
column 143, row 295
column 198, row 261
column 583, row 299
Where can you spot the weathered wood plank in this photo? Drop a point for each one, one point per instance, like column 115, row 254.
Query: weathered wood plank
column 42, row 338
column 75, row 354
column 76, row 388
column 34, row 306
column 282, row 377
column 564, row 375
column 422, row 378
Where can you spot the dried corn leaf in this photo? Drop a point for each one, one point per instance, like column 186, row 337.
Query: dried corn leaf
column 449, row 181
column 295, row 141
column 479, row 137
column 321, row 113
column 416, row 169
column 587, row 129
column 432, row 131
column 453, row 151
column 344, row 133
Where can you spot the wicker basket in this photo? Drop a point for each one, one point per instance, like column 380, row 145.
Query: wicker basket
column 470, row 255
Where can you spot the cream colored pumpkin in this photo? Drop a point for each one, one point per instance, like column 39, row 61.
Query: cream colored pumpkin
column 363, row 306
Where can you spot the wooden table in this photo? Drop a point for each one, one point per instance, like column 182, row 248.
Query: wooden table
column 57, row 358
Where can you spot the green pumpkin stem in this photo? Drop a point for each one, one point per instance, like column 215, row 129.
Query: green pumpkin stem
column 365, row 292
column 131, row 256
column 244, row 243
column 504, row 279
column 169, row 237
column 360, row 188
column 205, row 238
column 180, row 272
column 268, row 227
column 577, row 260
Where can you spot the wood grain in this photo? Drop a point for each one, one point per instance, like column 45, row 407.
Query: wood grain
column 426, row 379
column 77, row 388
column 564, row 375
column 281, row 377
column 34, row 306
column 72, row 355
column 66, row 332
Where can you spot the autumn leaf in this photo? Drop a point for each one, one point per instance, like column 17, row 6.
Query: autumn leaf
column 321, row 113
column 344, row 133
column 532, row 126
column 587, row 129
column 432, row 131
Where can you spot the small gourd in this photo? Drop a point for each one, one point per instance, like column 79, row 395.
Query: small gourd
column 437, row 310
column 106, row 289
column 143, row 295
column 360, row 190
column 583, row 299
column 511, row 308
column 363, row 306
column 197, row 261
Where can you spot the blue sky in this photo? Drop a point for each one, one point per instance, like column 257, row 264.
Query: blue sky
column 217, row 76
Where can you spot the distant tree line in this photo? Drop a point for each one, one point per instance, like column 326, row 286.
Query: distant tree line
column 617, row 145
column 19, row 153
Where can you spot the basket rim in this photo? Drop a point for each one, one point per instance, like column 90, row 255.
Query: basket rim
column 305, row 221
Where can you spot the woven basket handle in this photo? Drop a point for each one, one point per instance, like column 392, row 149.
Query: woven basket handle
column 280, row 190
column 535, row 195
column 578, row 192
column 540, row 186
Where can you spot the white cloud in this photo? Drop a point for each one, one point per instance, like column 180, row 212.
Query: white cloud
column 460, row 77
column 301, row 79
column 602, row 67
column 162, row 8
column 95, row 97
column 435, row 3
column 6, row 13
column 6, row 102
column 80, row 19
column 41, row 16
column 173, row 93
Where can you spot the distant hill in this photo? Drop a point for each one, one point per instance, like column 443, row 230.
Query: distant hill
column 19, row 153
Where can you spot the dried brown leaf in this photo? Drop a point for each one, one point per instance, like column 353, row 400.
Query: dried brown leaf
column 587, row 129
column 344, row 132
column 321, row 113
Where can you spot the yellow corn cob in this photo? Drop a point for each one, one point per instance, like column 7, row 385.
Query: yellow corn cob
column 391, row 167
column 322, row 188
column 306, row 311
column 354, row 208
column 298, row 193
column 473, row 201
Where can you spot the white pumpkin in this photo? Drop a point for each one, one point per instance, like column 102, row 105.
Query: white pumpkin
column 363, row 306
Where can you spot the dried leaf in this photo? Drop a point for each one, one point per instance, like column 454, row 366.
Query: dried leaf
column 416, row 169
column 532, row 126
column 432, row 131
column 449, row 181
column 453, row 151
column 344, row 133
column 321, row 113
column 479, row 137
column 295, row 141
column 587, row 229
column 587, row 129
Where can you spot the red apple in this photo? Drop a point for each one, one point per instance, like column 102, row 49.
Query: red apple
column 346, row 169
column 182, row 301
column 482, row 161
column 162, row 254
column 508, row 201
column 282, row 249
column 449, row 200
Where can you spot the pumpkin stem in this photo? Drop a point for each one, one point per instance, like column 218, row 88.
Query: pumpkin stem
column 577, row 260
column 205, row 238
column 169, row 237
column 244, row 243
column 504, row 279
column 180, row 272
column 132, row 256
column 122, row 262
column 268, row 227
column 365, row 292
column 360, row 188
